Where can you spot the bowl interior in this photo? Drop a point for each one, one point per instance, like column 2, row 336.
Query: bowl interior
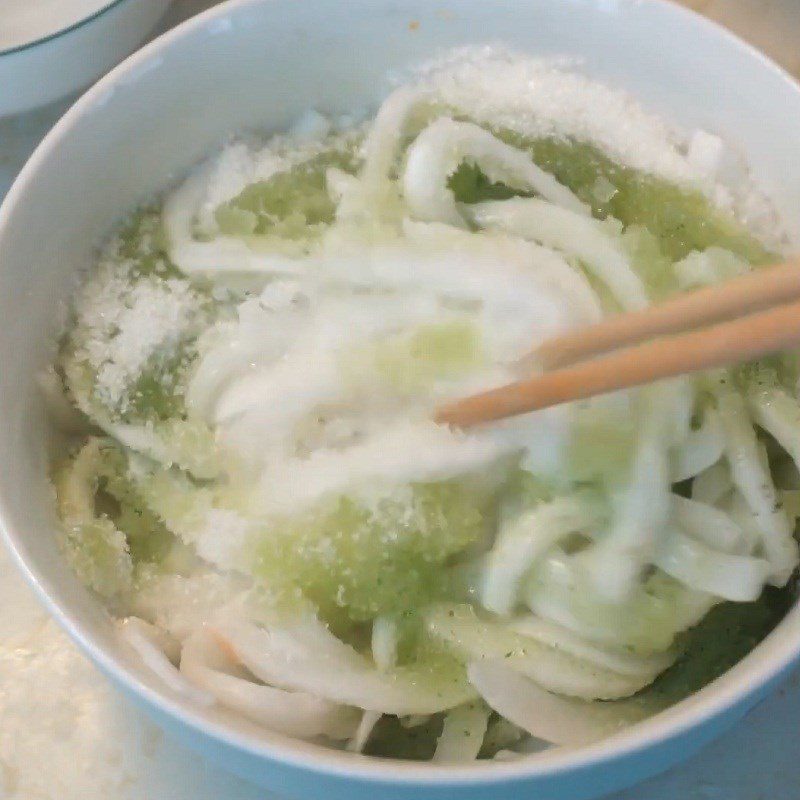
column 259, row 64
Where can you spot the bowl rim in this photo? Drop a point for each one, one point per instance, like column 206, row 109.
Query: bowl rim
column 57, row 34
column 765, row 664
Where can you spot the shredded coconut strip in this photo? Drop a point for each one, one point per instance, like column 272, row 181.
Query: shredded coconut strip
column 306, row 656
column 143, row 638
column 523, row 539
column 292, row 713
column 462, row 733
column 752, row 477
column 436, row 154
column 542, row 714
column 571, row 232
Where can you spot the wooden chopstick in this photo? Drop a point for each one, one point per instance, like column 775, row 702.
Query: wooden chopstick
column 751, row 292
column 720, row 345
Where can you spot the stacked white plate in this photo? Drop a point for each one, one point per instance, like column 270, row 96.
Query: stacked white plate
column 52, row 48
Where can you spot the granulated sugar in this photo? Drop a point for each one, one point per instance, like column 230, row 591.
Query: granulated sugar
column 125, row 322
column 540, row 98
column 549, row 98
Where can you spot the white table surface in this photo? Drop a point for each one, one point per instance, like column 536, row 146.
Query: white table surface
column 66, row 735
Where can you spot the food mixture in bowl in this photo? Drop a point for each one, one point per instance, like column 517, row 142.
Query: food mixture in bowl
column 258, row 490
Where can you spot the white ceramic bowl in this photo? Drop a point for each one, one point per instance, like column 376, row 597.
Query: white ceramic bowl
column 261, row 63
column 44, row 70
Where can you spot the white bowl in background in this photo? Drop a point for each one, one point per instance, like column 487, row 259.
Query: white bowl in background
column 260, row 63
column 41, row 71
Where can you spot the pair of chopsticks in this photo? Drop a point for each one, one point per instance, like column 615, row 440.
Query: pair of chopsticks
column 744, row 319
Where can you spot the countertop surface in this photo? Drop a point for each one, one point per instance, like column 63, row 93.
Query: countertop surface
column 66, row 735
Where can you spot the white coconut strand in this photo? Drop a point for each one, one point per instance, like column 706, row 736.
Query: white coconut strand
column 462, row 734
column 148, row 644
column 544, row 715
column 571, row 232
column 295, row 714
column 752, row 477
column 521, row 540
column 438, row 151
column 303, row 655
column 701, row 448
column 732, row 577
